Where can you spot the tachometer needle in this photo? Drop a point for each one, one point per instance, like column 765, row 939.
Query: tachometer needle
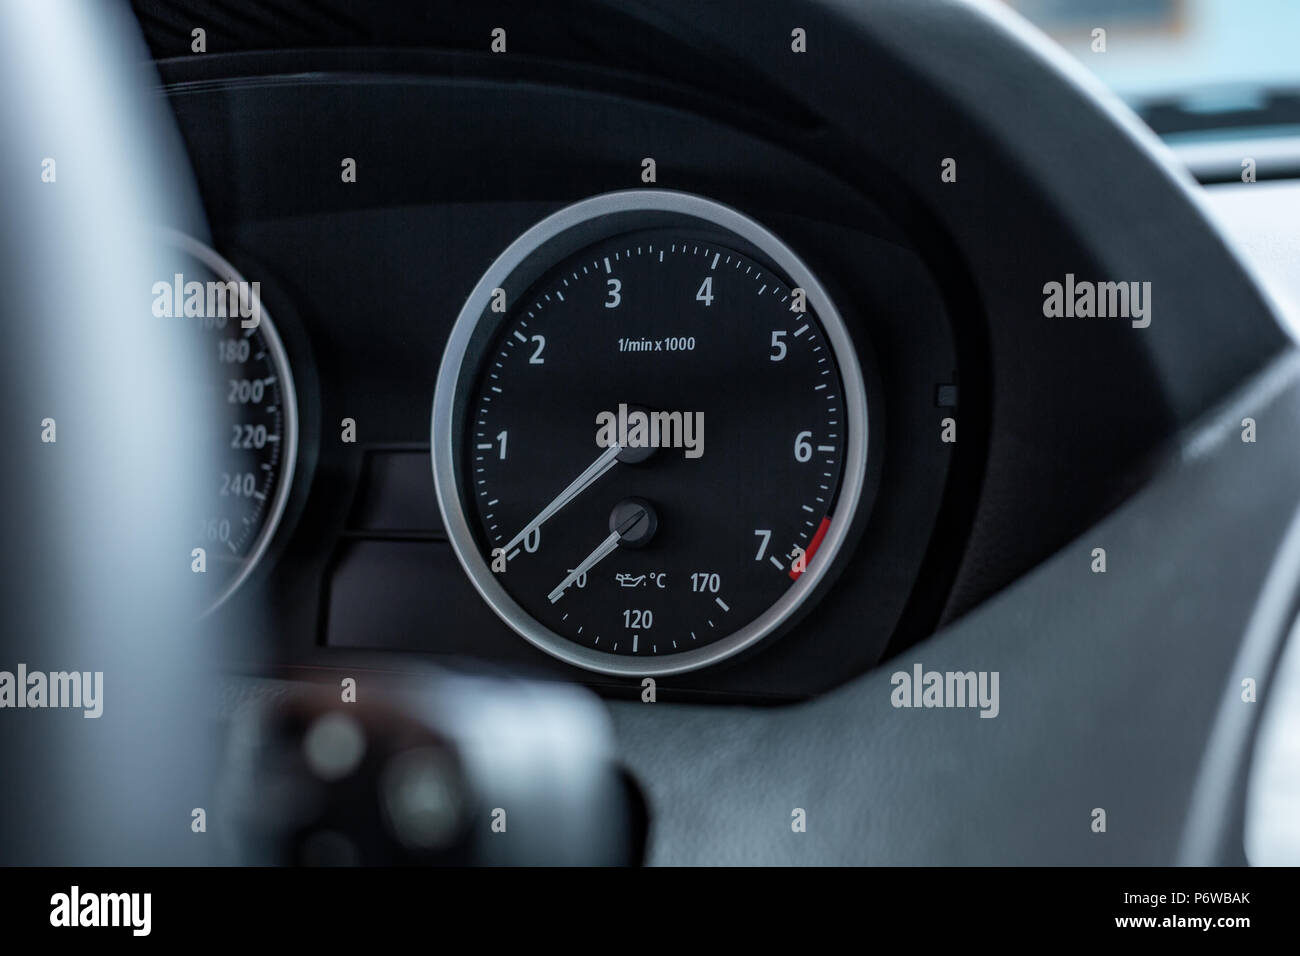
column 580, row 484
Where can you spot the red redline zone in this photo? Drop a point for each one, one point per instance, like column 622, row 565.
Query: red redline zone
column 813, row 545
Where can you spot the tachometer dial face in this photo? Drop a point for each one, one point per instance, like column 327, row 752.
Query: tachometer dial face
column 250, row 414
column 662, row 438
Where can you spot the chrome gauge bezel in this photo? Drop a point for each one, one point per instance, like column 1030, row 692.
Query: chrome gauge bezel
column 528, row 258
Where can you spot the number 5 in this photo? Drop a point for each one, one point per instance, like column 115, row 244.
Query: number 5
column 778, row 347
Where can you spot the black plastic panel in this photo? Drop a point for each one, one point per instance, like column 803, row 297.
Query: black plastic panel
column 395, row 495
column 377, row 270
column 407, row 596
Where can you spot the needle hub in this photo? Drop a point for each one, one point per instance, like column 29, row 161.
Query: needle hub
column 635, row 521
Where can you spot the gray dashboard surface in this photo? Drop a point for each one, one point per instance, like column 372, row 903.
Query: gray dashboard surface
column 1109, row 686
column 1261, row 219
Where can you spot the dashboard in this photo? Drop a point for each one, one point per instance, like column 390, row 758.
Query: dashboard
column 820, row 530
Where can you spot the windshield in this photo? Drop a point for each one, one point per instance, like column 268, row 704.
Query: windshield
column 1187, row 66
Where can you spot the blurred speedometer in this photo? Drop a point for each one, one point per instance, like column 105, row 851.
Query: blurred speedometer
column 249, row 413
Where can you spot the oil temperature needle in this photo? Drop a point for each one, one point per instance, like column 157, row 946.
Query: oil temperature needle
column 603, row 550
column 633, row 522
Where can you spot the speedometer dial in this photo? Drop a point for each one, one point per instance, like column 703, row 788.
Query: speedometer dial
column 650, row 433
column 250, row 416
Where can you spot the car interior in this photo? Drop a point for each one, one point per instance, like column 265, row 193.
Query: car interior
column 832, row 432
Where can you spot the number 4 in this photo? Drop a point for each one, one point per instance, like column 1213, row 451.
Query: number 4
column 705, row 294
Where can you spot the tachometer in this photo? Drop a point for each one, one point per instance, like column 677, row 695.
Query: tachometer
column 649, row 434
